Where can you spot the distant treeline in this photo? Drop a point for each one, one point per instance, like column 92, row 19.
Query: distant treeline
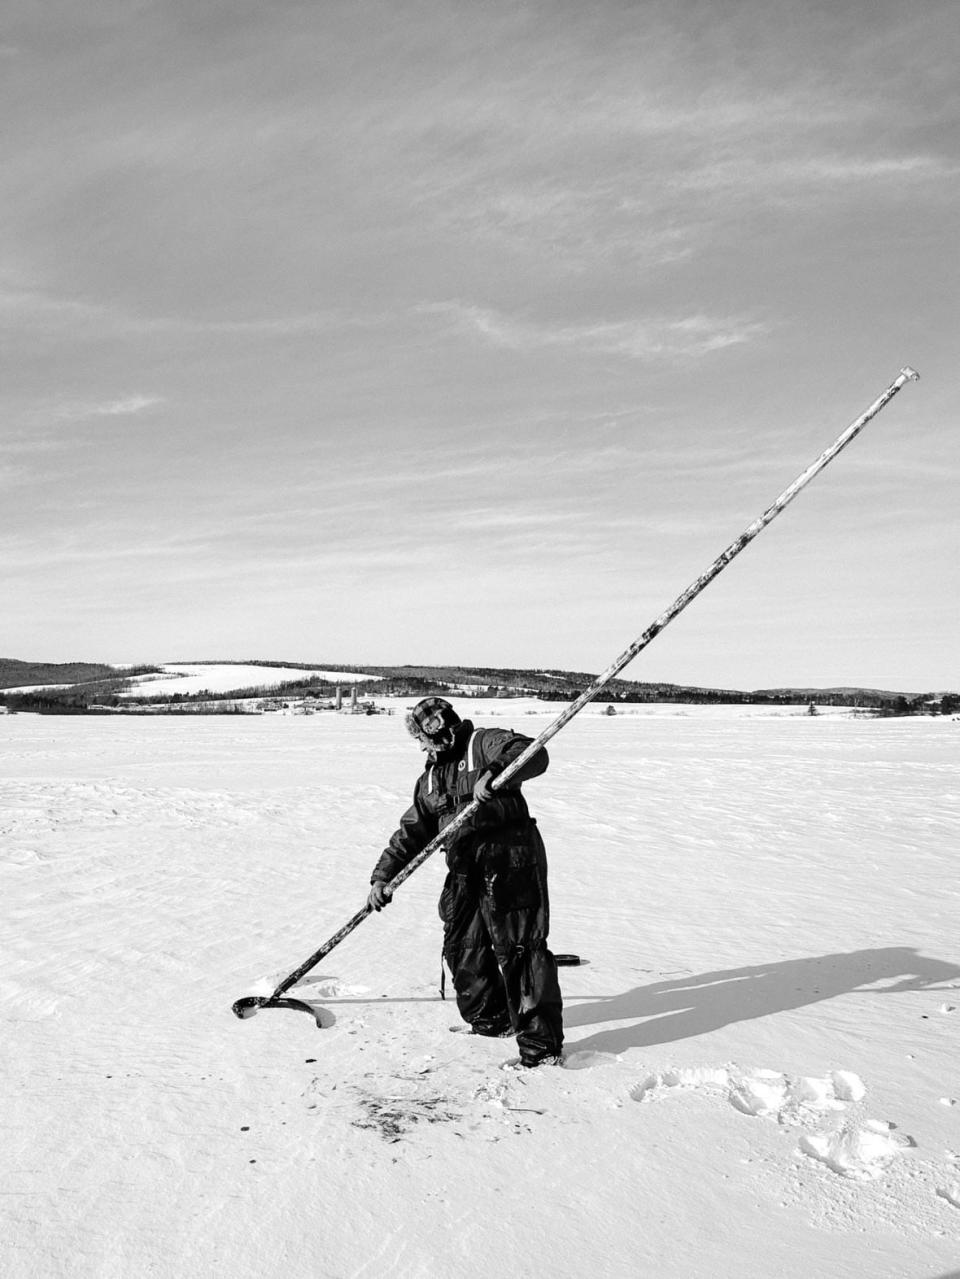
column 77, row 699
column 99, row 688
column 14, row 674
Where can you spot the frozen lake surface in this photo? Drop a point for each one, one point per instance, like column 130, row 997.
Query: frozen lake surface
column 762, row 1074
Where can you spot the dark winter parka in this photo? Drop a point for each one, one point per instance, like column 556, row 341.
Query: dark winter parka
column 494, row 905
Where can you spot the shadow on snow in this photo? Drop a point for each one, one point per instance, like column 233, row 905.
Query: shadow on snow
column 684, row 1007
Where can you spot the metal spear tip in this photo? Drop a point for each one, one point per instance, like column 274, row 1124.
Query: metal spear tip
column 248, row 1006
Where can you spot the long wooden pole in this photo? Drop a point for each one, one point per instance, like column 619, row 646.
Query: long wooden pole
column 248, row 1006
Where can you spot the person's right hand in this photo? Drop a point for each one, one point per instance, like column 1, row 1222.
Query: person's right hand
column 379, row 895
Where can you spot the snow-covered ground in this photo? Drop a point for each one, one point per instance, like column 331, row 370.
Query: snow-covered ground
column 217, row 678
column 762, row 1078
column 227, row 676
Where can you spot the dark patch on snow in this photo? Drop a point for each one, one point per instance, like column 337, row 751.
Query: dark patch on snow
column 394, row 1117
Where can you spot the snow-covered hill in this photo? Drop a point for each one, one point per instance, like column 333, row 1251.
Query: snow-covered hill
column 211, row 677
column 224, row 677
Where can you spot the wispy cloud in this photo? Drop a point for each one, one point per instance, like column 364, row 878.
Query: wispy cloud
column 569, row 219
column 834, row 168
column 604, row 171
column 688, row 337
column 757, row 176
column 35, row 309
column 32, row 306
column 127, row 406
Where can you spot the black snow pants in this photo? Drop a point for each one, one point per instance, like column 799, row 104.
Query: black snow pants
column 496, row 918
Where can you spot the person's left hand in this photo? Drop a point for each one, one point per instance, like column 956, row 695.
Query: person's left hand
column 483, row 790
column 380, row 895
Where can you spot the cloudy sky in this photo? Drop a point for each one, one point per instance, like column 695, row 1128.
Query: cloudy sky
column 470, row 331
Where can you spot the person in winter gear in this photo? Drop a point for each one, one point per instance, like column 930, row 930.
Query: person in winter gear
column 494, row 904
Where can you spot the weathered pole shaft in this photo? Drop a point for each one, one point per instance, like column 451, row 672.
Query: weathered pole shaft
column 906, row 374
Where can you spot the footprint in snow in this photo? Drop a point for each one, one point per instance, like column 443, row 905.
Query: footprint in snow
column 587, row 1059
column 860, row 1151
column 764, row 1092
column 328, row 988
column 309, row 988
column 768, row 1093
column 696, row 1079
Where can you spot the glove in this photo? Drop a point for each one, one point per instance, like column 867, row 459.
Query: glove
column 379, row 895
column 483, row 790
